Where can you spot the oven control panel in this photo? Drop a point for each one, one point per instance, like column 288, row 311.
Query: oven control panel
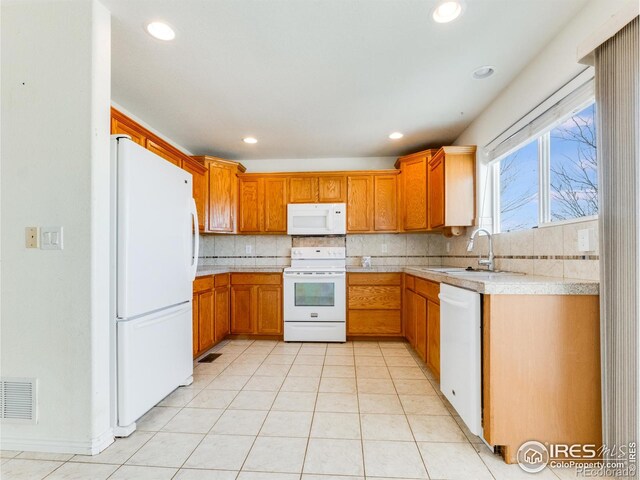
column 315, row 253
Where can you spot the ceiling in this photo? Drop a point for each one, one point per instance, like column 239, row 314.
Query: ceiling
column 320, row 78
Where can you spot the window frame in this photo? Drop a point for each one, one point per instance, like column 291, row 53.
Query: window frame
column 543, row 139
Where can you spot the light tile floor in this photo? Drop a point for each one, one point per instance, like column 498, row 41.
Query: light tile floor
column 268, row 410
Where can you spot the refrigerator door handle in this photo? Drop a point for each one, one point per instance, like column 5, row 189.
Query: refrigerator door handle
column 195, row 250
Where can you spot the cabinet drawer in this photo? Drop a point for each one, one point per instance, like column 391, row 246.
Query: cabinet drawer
column 221, row 280
column 256, row 278
column 202, row 284
column 375, row 278
column 409, row 282
column 374, row 322
column 428, row 289
column 375, row 297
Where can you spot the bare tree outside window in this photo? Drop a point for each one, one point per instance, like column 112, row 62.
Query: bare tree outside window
column 519, row 189
column 574, row 167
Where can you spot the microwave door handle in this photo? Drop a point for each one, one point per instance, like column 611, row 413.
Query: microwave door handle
column 330, row 220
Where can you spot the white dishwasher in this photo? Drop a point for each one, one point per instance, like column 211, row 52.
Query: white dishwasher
column 460, row 353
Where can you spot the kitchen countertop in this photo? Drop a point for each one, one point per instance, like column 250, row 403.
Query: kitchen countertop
column 488, row 284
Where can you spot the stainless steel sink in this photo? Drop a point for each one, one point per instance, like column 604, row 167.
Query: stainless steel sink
column 463, row 272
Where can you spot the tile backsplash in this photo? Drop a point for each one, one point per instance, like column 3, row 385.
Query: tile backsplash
column 264, row 250
column 548, row 251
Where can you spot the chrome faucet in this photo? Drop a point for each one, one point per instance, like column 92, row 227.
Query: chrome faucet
column 488, row 262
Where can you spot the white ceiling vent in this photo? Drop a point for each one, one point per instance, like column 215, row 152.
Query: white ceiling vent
column 18, row 400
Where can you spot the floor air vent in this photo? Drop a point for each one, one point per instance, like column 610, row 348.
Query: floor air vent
column 18, row 400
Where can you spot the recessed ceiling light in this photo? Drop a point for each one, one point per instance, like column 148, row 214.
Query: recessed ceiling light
column 396, row 135
column 485, row 71
column 447, row 10
column 161, row 31
column 250, row 140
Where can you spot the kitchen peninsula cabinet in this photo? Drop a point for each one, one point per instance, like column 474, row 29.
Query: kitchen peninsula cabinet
column 541, row 370
column 372, row 202
column 256, row 303
column 374, row 303
column 262, row 204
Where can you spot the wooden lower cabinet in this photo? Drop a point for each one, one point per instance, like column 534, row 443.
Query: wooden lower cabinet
column 210, row 311
column 374, row 303
column 421, row 319
column 541, row 355
column 256, row 303
column 433, row 337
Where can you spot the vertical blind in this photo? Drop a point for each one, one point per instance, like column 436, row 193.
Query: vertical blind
column 618, row 99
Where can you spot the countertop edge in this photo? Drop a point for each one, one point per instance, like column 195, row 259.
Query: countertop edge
column 532, row 285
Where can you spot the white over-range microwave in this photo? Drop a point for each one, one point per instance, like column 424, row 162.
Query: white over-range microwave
column 317, row 219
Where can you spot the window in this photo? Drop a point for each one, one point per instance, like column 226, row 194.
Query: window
column 553, row 177
column 574, row 167
column 518, row 189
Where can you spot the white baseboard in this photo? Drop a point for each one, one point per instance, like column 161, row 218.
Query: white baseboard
column 91, row 447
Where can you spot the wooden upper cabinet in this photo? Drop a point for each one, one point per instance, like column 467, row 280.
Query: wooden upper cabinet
column 360, row 203
column 198, row 173
column 251, row 204
column 413, row 175
column 372, row 202
column 303, row 189
column 164, row 152
column 385, row 207
column 221, row 197
column 262, row 204
column 317, row 188
column 275, row 204
column 451, row 186
column 332, row 189
column 122, row 124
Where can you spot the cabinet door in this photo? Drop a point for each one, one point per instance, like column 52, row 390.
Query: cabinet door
column 433, row 337
column 164, row 152
column 385, row 207
column 420, row 315
column 251, row 208
column 414, row 178
column 242, row 309
column 221, row 312
column 332, row 189
column 205, row 321
column 198, row 171
column 269, row 309
column 303, row 189
column 409, row 318
column 436, row 192
column 275, row 205
column 222, row 197
column 194, row 328
column 359, row 203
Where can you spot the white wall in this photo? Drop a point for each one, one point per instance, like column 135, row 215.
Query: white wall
column 318, row 164
column 554, row 66
column 55, row 171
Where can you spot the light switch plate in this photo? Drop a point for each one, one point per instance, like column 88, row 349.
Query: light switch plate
column 51, row 238
column 385, row 249
column 586, row 240
column 247, row 249
column 31, row 237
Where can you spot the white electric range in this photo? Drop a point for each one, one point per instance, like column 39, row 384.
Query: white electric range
column 315, row 295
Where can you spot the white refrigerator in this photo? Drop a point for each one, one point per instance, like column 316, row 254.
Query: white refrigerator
column 154, row 261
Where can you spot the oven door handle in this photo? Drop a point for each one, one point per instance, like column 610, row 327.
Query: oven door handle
column 314, row 275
